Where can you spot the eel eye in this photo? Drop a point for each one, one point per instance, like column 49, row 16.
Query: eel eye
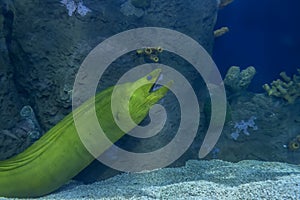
column 149, row 77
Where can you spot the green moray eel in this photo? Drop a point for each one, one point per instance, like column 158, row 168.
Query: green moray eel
column 59, row 155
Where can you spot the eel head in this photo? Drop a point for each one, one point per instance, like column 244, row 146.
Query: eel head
column 138, row 97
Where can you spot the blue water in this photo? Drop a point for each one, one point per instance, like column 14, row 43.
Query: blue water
column 263, row 33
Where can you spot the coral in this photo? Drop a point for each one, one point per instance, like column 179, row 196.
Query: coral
column 154, row 58
column 151, row 53
column 82, row 9
column 237, row 80
column 294, row 144
column 221, row 31
column 243, row 126
column 72, row 7
column 288, row 88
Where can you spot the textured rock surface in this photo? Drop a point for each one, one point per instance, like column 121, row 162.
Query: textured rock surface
column 44, row 44
column 277, row 124
column 10, row 102
column 10, row 99
column 47, row 50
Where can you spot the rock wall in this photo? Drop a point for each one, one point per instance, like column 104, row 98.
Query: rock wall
column 44, row 43
column 10, row 102
column 48, row 45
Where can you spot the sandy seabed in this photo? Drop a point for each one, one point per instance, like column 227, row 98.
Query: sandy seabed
column 213, row 179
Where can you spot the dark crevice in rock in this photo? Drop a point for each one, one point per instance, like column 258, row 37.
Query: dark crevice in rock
column 12, row 142
column 8, row 26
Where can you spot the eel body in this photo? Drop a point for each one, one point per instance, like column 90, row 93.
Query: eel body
column 59, row 155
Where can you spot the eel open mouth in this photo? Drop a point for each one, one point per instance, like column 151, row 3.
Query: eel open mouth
column 156, row 86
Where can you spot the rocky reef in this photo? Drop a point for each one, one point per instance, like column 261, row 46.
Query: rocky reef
column 10, row 100
column 44, row 53
column 262, row 126
column 40, row 57
column 45, row 42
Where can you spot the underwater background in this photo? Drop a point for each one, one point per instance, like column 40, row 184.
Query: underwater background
column 255, row 45
column 262, row 34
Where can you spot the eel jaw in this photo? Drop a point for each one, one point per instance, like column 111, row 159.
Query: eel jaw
column 156, row 86
column 158, row 91
column 147, row 89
